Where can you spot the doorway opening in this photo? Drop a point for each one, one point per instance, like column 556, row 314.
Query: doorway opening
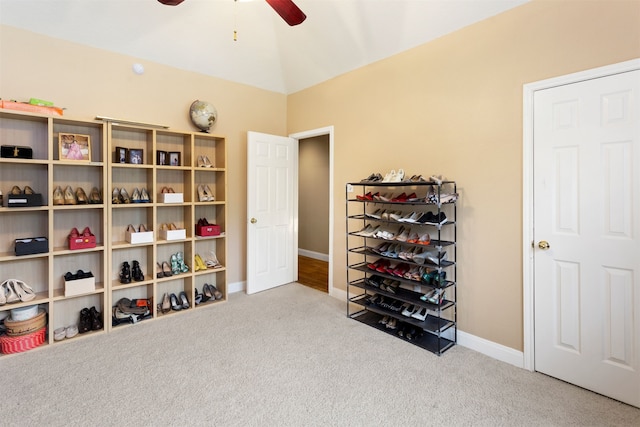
column 315, row 207
column 313, row 212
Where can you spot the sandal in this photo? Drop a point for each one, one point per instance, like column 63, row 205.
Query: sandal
column 180, row 258
column 175, row 268
column 212, row 261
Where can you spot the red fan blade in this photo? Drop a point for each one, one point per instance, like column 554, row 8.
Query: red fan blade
column 171, row 2
column 291, row 13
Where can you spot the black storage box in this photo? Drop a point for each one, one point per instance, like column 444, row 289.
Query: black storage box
column 32, row 245
column 16, row 152
column 24, row 200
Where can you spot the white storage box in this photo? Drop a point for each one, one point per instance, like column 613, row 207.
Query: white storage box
column 172, row 197
column 140, row 237
column 79, row 286
column 179, row 234
column 24, row 313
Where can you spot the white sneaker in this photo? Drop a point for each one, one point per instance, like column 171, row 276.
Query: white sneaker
column 420, row 314
column 390, row 177
column 398, row 176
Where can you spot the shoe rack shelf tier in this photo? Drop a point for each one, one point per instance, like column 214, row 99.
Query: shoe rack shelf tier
column 107, row 220
column 384, row 280
column 184, row 173
column 46, row 170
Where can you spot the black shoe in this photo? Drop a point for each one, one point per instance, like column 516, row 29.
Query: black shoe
column 96, row 319
column 82, row 275
column 125, row 273
column 184, row 300
column 137, row 274
column 174, row 303
column 85, row 321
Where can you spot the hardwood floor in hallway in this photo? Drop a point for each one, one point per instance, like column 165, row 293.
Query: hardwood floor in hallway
column 313, row 273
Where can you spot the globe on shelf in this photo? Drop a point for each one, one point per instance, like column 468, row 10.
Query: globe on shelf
column 203, row 114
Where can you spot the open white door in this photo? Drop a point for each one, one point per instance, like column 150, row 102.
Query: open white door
column 271, row 211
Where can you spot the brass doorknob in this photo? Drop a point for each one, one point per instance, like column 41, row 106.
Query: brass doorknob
column 544, row 245
column 253, row 220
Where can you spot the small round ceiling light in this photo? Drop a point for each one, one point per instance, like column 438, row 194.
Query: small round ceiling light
column 138, row 68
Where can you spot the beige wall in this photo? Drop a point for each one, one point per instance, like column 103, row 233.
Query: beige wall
column 454, row 107
column 90, row 82
column 313, row 194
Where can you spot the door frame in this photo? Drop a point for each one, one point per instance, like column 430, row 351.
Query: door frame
column 328, row 130
column 527, row 190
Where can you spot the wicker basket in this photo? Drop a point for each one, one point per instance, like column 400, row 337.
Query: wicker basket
column 9, row 345
column 22, row 327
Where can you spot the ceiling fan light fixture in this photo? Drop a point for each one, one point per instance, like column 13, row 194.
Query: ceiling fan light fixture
column 171, row 2
column 288, row 11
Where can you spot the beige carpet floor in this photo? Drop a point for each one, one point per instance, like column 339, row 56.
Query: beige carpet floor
column 284, row 357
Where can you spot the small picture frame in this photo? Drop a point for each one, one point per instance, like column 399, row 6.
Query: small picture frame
column 174, row 158
column 162, row 159
column 135, row 156
column 73, row 146
column 120, row 155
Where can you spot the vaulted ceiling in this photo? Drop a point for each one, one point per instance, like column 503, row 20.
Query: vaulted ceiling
column 198, row 35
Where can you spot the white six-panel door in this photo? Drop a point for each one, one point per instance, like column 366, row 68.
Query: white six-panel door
column 271, row 222
column 587, row 210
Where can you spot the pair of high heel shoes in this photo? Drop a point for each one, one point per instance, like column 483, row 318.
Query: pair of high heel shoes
column 74, row 233
column 205, row 194
column 16, row 190
column 163, row 270
column 204, row 162
column 203, row 264
column 141, row 229
column 120, row 196
column 174, row 302
column 79, row 197
column 177, row 263
column 128, row 272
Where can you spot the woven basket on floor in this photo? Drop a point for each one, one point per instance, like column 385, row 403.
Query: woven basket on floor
column 9, row 345
column 23, row 327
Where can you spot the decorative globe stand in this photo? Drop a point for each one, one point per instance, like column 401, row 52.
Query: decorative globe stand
column 203, row 115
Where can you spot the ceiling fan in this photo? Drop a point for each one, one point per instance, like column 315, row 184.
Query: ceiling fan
column 287, row 9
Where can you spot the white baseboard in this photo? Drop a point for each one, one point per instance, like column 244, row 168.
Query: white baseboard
column 314, row 255
column 491, row 349
column 236, row 287
column 481, row 345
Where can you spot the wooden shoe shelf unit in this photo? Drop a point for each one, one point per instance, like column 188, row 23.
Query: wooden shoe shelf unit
column 380, row 306
column 108, row 221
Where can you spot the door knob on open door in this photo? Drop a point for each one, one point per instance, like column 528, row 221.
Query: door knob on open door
column 253, row 220
column 544, row 245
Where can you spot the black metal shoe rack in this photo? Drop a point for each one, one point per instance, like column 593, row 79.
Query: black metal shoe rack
column 375, row 305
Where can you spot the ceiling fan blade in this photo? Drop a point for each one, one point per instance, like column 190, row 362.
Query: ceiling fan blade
column 171, row 2
column 291, row 13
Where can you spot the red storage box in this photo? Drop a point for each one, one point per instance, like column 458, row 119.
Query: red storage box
column 22, row 343
column 82, row 242
column 208, row 230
